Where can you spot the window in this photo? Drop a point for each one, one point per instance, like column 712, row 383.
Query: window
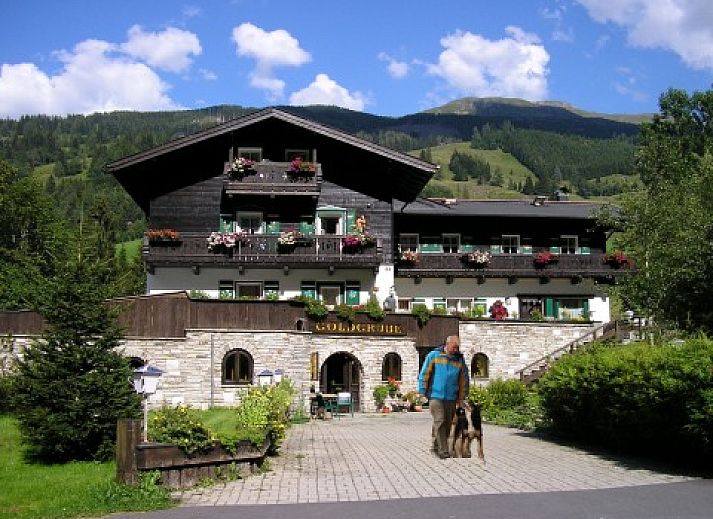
column 330, row 225
column 271, row 290
column 249, row 291
column 330, row 295
column 309, row 289
column 250, row 223
column 510, row 244
column 291, row 154
column 439, row 302
column 451, row 243
column 459, row 305
column 391, row 368
column 254, row 154
column 568, row 245
column 479, row 366
column 404, row 304
column 237, row 367
column 574, row 308
column 408, row 242
column 226, row 290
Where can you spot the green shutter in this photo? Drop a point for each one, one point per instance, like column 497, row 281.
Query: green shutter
column 227, row 223
column 352, row 296
column 549, row 307
column 554, row 249
column 585, row 308
column 306, row 228
column 351, row 220
column 431, row 247
column 526, row 249
column 495, row 249
column 466, row 247
column 272, row 228
column 585, row 250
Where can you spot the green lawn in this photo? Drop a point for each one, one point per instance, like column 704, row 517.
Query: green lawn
column 132, row 248
column 33, row 491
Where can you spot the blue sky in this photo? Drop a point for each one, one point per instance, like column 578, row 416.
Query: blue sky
column 389, row 57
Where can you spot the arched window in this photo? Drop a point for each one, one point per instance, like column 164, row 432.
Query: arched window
column 237, row 367
column 479, row 366
column 391, row 367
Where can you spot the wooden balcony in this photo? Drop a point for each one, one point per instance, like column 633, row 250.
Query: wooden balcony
column 272, row 178
column 260, row 250
column 511, row 265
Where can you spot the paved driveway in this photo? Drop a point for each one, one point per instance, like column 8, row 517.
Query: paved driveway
column 377, row 457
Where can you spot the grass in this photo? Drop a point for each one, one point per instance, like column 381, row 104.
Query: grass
column 132, row 248
column 220, row 420
column 504, row 163
column 34, row 491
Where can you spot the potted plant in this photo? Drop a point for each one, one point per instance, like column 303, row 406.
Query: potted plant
column 394, row 386
column 380, row 393
column 159, row 236
column 409, row 257
column 240, row 166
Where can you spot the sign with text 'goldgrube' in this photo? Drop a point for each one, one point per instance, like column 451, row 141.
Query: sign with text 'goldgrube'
column 344, row 328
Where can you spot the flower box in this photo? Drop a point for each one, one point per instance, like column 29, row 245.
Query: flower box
column 409, row 257
column 163, row 237
column 225, row 241
column 477, row 259
column 544, row 258
column 616, row 259
column 355, row 243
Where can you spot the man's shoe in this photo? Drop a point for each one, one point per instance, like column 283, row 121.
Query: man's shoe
column 443, row 455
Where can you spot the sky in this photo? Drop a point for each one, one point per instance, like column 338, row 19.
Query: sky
column 386, row 57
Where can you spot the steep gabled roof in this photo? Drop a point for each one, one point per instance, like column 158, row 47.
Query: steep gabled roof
column 261, row 115
column 408, row 175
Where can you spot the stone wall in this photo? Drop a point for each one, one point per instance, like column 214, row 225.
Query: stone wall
column 512, row 345
column 193, row 365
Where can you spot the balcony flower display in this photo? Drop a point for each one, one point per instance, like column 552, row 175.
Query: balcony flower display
column 224, row 241
column 544, row 258
column 616, row 259
column 288, row 240
column 478, row 258
column 162, row 235
column 241, row 164
column 409, row 256
column 301, row 167
column 239, row 167
column 357, row 242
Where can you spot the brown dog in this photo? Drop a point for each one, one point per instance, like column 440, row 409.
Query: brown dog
column 467, row 426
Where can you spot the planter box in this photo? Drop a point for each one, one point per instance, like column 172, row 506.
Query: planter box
column 178, row 470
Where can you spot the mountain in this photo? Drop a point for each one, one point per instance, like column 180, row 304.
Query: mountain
column 520, row 108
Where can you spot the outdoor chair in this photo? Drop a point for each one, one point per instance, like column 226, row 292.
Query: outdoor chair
column 345, row 400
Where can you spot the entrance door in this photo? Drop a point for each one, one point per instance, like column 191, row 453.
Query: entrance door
column 341, row 372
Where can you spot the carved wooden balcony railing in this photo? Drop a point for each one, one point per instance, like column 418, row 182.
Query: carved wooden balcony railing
column 260, row 249
column 509, row 265
column 272, row 178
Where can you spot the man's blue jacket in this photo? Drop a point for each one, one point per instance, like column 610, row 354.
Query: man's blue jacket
column 443, row 377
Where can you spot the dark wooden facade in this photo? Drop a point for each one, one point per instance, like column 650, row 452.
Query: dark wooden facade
column 170, row 315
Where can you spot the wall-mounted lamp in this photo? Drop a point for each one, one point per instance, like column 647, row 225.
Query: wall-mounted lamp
column 449, row 280
column 417, row 280
column 241, row 269
column 196, row 269
column 331, row 270
column 286, row 270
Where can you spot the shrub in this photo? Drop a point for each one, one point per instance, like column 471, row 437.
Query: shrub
column 422, row 313
column 380, row 394
column 507, row 393
column 374, row 310
column 634, row 396
column 345, row 313
column 180, row 426
column 313, row 308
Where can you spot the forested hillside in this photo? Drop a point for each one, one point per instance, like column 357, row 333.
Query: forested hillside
column 67, row 155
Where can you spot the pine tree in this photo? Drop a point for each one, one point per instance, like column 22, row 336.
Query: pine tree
column 73, row 385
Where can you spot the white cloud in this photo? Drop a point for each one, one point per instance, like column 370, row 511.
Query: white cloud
column 191, row 11
column 510, row 67
column 397, row 69
column 170, row 49
column 682, row 26
column 627, row 85
column 93, row 79
column 270, row 50
column 325, row 91
column 565, row 35
column 207, row 74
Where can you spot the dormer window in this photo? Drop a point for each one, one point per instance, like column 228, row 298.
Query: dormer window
column 510, row 244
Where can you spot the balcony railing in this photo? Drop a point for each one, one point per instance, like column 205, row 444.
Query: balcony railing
column 272, row 178
column 505, row 265
column 312, row 250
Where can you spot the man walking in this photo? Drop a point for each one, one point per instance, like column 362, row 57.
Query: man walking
column 443, row 380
